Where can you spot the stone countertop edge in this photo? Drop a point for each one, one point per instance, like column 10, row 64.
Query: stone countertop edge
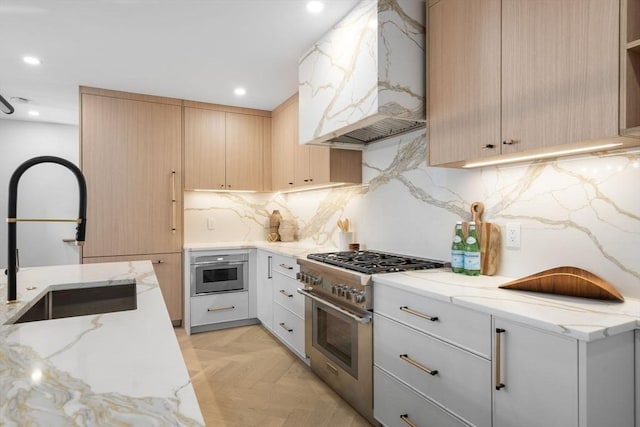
column 581, row 318
column 293, row 249
column 103, row 368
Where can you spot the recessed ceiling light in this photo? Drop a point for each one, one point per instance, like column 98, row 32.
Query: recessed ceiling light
column 31, row 60
column 315, row 6
column 240, row 91
column 34, row 113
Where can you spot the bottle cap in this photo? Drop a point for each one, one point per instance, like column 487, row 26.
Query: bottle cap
column 458, row 222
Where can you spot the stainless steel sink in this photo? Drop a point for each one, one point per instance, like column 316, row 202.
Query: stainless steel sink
column 61, row 303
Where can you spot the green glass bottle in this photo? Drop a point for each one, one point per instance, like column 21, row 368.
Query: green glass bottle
column 457, row 250
column 472, row 252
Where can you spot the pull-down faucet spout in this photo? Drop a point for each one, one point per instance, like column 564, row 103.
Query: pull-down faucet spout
column 12, row 220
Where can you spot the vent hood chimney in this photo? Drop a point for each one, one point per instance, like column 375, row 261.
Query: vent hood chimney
column 364, row 80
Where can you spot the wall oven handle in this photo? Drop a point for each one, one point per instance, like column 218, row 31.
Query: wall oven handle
column 417, row 313
column 214, row 263
column 364, row 320
column 407, row 421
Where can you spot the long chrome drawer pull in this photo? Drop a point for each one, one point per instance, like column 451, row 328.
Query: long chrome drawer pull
column 285, row 327
column 221, row 308
column 363, row 320
column 283, row 292
column 409, row 360
column 405, row 418
column 285, row 266
column 499, row 383
column 417, row 313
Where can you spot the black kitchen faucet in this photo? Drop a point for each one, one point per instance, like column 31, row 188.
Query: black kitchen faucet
column 12, row 262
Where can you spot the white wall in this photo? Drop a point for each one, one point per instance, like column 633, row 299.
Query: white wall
column 44, row 191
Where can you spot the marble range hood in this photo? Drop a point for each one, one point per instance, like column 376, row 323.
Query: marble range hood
column 364, row 80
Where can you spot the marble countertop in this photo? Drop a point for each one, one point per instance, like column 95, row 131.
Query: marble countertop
column 581, row 318
column 295, row 249
column 114, row 368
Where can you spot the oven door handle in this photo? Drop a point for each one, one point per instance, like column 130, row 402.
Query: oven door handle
column 216, row 263
column 363, row 320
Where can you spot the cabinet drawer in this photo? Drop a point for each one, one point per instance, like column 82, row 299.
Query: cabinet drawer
column 392, row 400
column 285, row 294
column 289, row 328
column 285, row 265
column 463, row 327
column 462, row 383
column 210, row 309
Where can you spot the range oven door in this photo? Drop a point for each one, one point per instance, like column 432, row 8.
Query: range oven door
column 336, row 336
column 339, row 344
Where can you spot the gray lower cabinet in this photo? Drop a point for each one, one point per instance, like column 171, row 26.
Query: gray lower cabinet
column 431, row 370
column 280, row 307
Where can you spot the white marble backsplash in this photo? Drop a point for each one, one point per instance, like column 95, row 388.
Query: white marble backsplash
column 581, row 211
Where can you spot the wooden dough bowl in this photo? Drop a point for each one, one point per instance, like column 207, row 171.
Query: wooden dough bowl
column 571, row 281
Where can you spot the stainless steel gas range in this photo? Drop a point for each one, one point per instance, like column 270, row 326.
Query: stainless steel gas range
column 338, row 317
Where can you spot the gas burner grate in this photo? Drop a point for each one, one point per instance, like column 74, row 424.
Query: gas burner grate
column 372, row 262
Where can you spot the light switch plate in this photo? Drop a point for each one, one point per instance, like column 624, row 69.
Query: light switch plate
column 513, row 235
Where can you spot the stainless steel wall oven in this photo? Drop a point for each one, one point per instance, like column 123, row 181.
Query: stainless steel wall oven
column 219, row 273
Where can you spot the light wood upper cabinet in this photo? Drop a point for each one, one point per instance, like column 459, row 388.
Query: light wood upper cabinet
column 204, row 148
column 516, row 76
column 284, row 141
column 244, row 153
column 129, row 150
column 297, row 165
column 559, row 72
column 464, row 80
column 225, row 150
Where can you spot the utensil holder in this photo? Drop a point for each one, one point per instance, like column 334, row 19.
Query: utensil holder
column 344, row 238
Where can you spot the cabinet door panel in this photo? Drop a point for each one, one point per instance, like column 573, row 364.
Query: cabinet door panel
column 168, row 270
column 129, row 149
column 204, row 149
column 244, row 152
column 559, row 71
column 320, row 165
column 264, row 288
column 464, row 80
column 285, row 141
column 540, row 376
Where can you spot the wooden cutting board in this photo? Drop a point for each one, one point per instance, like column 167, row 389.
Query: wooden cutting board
column 489, row 237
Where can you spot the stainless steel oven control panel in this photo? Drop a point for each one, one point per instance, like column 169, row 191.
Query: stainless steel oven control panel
column 347, row 288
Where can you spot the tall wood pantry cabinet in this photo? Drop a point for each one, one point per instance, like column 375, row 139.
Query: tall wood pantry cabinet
column 131, row 156
column 514, row 76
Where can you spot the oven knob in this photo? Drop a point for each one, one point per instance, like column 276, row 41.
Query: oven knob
column 342, row 290
column 360, row 297
column 298, row 276
column 351, row 295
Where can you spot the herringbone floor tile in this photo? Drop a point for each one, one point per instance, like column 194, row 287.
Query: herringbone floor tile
column 245, row 377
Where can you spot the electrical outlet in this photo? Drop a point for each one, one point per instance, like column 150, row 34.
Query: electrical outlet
column 513, row 235
column 211, row 223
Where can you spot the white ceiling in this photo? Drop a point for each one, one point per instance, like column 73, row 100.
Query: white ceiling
column 189, row 49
